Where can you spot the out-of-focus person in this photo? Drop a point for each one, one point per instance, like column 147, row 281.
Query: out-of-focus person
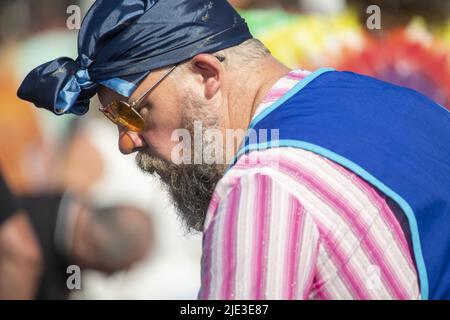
column 41, row 236
column 20, row 256
column 72, row 233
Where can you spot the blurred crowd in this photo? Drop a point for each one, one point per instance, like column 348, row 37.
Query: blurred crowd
column 83, row 203
column 411, row 48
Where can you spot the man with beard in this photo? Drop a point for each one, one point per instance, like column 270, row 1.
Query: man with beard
column 346, row 198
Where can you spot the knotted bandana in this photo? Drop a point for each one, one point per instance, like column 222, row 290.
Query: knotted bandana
column 121, row 41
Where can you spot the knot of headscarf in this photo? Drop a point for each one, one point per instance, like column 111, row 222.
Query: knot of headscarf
column 121, row 41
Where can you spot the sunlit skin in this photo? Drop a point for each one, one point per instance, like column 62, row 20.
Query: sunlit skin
column 233, row 99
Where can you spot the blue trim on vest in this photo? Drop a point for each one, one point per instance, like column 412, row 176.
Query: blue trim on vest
column 295, row 89
column 420, row 263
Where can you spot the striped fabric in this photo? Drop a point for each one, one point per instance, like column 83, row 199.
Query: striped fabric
column 295, row 225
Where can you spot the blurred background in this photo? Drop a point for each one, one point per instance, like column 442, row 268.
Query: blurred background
column 77, row 158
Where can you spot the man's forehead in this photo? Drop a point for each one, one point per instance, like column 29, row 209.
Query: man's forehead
column 106, row 95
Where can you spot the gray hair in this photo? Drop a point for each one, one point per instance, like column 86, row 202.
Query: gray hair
column 244, row 54
column 238, row 57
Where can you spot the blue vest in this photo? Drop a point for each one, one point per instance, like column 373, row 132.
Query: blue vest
column 393, row 137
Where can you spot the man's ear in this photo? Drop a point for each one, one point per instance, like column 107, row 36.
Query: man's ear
column 211, row 71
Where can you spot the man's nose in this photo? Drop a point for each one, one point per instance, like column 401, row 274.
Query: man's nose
column 129, row 141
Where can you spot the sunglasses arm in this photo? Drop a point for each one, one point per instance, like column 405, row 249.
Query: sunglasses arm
column 136, row 103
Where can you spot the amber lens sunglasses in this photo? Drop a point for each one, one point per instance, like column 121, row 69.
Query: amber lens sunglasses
column 124, row 114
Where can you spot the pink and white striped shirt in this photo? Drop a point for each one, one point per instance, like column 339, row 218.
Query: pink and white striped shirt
column 296, row 225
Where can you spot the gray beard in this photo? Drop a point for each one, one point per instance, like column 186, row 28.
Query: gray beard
column 190, row 186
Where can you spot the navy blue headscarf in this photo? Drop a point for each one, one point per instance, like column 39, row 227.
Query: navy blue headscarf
column 121, row 41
